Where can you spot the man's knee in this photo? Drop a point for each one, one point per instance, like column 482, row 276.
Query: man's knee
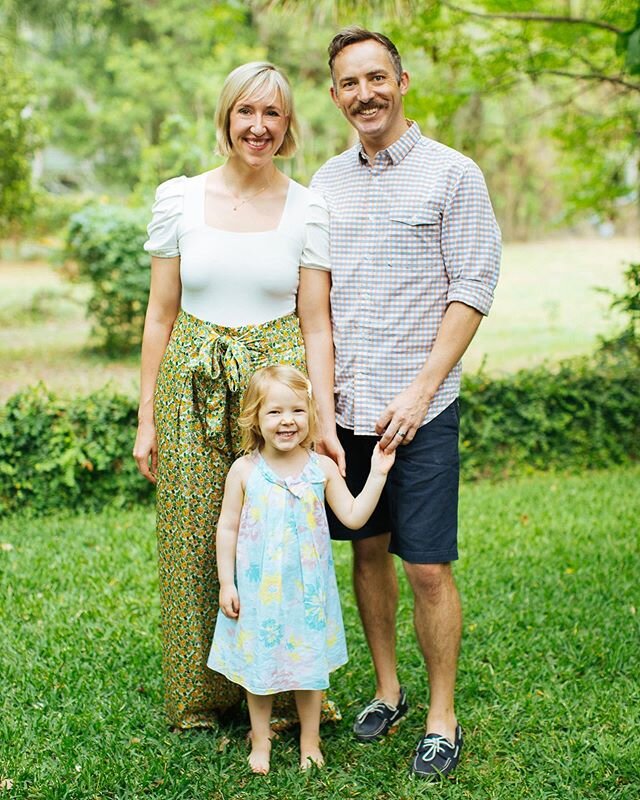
column 429, row 581
column 372, row 554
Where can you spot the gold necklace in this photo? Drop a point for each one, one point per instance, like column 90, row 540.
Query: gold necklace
column 242, row 200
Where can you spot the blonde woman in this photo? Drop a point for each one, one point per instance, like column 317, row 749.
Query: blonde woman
column 239, row 280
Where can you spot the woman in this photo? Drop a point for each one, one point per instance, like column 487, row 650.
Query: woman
column 235, row 252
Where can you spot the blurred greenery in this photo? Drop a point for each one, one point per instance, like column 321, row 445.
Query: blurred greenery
column 541, row 94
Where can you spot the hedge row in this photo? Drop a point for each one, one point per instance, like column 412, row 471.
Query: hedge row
column 585, row 414
column 77, row 453
column 72, row 453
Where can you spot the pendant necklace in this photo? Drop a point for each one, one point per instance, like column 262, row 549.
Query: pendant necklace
column 240, row 201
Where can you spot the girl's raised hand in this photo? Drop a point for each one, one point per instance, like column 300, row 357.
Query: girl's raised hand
column 229, row 601
column 382, row 462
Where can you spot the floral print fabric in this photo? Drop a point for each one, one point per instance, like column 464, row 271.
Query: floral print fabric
column 289, row 634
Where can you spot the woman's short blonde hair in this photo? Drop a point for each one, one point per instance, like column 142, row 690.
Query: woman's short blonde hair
column 258, row 80
column 257, row 390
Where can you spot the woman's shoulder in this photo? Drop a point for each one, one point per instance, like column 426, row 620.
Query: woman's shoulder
column 310, row 197
column 171, row 188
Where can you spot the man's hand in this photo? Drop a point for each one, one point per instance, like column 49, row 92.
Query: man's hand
column 403, row 416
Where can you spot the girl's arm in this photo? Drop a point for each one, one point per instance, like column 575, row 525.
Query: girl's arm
column 162, row 310
column 354, row 512
column 315, row 321
column 227, row 537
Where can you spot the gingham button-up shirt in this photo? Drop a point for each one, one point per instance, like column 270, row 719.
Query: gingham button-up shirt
column 410, row 232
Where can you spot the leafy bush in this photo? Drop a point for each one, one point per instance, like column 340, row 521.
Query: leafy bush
column 68, row 453
column 107, row 241
column 628, row 302
column 584, row 414
column 77, row 453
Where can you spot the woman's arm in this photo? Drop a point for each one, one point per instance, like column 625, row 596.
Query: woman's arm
column 227, row 539
column 162, row 310
column 355, row 511
column 315, row 321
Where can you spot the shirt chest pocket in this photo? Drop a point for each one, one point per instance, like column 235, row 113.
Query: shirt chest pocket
column 413, row 240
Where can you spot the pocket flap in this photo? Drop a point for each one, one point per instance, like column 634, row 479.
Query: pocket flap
column 430, row 216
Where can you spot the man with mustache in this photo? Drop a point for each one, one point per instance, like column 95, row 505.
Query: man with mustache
column 415, row 253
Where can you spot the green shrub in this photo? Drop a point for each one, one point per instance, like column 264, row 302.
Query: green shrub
column 106, row 242
column 584, row 414
column 628, row 302
column 68, row 453
column 77, row 453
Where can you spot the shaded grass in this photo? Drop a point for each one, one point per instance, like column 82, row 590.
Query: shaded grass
column 548, row 690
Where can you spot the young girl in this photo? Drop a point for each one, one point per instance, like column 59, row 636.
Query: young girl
column 280, row 626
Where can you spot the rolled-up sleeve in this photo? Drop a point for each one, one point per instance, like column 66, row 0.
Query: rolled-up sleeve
column 315, row 252
column 166, row 212
column 471, row 242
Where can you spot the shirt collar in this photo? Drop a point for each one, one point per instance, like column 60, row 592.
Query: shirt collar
column 399, row 149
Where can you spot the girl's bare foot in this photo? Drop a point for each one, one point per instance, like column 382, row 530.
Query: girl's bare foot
column 260, row 755
column 310, row 755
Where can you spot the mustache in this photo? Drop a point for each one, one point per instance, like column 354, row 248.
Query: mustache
column 358, row 107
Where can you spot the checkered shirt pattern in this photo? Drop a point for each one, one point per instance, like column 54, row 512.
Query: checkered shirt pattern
column 410, row 232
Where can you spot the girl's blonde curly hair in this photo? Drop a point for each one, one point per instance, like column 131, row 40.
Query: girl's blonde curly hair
column 257, row 391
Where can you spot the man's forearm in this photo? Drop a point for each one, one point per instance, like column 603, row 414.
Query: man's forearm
column 458, row 327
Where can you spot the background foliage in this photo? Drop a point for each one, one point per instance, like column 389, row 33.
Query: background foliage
column 72, row 453
column 106, row 243
column 56, row 453
column 18, row 141
column 543, row 95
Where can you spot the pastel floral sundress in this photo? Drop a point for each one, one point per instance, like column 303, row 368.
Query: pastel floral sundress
column 289, row 634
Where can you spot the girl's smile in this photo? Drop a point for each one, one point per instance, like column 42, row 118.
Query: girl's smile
column 283, row 419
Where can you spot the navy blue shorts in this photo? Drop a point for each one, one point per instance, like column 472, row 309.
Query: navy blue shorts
column 419, row 505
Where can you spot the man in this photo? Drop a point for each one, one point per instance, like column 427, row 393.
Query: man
column 415, row 253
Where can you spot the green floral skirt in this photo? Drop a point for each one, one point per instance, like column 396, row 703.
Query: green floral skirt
column 199, row 391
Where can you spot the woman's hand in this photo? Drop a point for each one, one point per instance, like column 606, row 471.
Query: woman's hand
column 229, row 601
column 329, row 445
column 145, row 450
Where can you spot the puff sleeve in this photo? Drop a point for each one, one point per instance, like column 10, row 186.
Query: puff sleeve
column 166, row 213
column 315, row 252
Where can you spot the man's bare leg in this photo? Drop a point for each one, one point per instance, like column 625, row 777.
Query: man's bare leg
column 376, row 590
column 438, row 623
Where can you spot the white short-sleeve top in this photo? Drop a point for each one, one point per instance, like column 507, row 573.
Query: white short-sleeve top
column 232, row 278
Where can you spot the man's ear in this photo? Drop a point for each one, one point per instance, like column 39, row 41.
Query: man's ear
column 334, row 95
column 404, row 83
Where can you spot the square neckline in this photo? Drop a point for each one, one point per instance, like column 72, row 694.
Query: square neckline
column 205, row 224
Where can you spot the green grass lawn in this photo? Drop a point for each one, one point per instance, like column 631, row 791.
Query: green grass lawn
column 548, row 691
column 546, row 308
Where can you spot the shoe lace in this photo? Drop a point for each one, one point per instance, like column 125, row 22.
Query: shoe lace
column 431, row 746
column 375, row 706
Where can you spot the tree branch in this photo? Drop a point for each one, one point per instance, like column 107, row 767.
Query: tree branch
column 533, row 17
column 594, row 76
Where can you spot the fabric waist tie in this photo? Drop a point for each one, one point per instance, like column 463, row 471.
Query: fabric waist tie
column 223, row 359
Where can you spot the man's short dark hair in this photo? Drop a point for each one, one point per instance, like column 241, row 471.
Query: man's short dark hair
column 354, row 34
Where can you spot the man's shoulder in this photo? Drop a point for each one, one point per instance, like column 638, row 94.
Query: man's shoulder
column 435, row 150
column 336, row 166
